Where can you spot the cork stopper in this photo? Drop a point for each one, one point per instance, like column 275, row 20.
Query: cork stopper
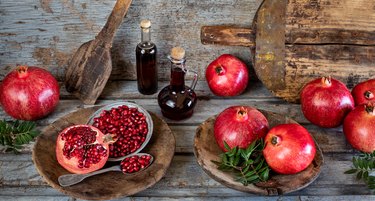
column 145, row 23
column 178, row 53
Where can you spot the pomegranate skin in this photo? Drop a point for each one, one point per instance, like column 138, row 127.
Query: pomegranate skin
column 359, row 128
column 227, row 76
column 71, row 164
column 239, row 126
column 325, row 102
column 289, row 148
column 29, row 93
column 364, row 92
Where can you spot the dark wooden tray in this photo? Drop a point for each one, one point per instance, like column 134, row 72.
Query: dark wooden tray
column 206, row 150
column 109, row 185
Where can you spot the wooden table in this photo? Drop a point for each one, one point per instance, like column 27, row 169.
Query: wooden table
column 185, row 179
column 45, row 33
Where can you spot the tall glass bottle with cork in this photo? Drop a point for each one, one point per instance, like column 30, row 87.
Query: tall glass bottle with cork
column 177, row 101
column 147, row 73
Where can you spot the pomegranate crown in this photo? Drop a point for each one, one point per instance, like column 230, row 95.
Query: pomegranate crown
column 327, row 81
column 369, row 107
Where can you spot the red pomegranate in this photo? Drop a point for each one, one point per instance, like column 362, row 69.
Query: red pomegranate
column 364, row 92
column 29, row 93
column 239, row 126
column 325, row 102
column 227, row 76
column 82, row 148
column 359, row 128
column 289, row 148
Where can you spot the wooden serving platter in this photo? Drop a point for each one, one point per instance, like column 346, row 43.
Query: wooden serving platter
column 109, row 185
column 206, row 150
column 294, row 42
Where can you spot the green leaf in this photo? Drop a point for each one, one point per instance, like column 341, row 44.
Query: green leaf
column 351, row 171
column 265, row 175
column 359, row 175
column 14, row 134
column 365, row 175
column 252, row 178
column 224, row 158
column 236, row 160
column 355, row 162
column 250, row 173
column 226, row 146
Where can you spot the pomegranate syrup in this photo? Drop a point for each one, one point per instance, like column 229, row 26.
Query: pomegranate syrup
column 176, row 100
column 147, row 74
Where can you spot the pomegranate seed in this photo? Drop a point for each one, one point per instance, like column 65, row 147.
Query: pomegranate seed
column 135, row 163
column 130, row 126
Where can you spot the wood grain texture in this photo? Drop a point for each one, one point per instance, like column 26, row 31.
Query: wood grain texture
column 226, row 35
column 298, row 40
column 48, row 32
column 185, row 178
column 278, row 184
column 109, row 185
column 330, row 22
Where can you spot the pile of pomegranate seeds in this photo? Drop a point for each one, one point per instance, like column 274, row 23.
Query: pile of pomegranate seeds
column 79, row 143
column 128, row 124
column 135, row 163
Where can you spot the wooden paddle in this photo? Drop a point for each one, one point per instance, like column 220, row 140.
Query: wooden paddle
column 91, row 65
column 294, row 42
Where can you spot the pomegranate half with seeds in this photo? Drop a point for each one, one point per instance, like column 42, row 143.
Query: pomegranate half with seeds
column 82, row 149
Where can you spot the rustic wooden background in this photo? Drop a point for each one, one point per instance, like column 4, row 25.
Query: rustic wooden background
column 46, row 33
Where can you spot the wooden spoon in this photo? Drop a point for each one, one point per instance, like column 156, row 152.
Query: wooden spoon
column 91, row 65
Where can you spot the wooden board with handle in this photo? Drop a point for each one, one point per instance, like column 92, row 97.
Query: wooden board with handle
column 296, row 41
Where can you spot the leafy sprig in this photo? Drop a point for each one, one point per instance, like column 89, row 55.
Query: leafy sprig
column 14, row 134
column 248, row 165
column 363, row 165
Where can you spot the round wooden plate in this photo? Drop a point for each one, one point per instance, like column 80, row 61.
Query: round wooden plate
column 109, row 185
column 206, row 150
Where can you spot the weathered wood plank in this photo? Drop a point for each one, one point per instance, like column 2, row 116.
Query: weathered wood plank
column 332, row 181
column 203, row 109
column 331, row 21
column 171, row 198
column 128, row 89
column 349, row 64
column 48, row 32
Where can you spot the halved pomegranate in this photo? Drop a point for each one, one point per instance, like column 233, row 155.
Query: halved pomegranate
column 82, row 148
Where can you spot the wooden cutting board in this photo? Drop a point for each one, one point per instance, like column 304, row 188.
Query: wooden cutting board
column 296, row 41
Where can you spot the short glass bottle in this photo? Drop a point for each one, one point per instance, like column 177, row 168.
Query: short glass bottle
column 177, row 101
column 147, row 72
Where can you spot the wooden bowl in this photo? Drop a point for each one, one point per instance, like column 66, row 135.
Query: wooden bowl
column 109, row 185
column 206, row 150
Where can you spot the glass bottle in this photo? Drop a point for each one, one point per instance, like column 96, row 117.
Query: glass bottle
column 177, row 101
column 147, row 72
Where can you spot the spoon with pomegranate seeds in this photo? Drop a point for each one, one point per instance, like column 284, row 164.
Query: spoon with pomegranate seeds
column 129, row 165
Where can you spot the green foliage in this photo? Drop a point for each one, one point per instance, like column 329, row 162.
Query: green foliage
column 363, row 165
column 248, row 165
column 14, row 134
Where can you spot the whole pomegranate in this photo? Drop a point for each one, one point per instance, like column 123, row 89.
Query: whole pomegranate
column 29, row 93
column 289, row 148
column 325, row 102
column 364, row 92
column 227, row 76
column 359, row 128
column 239, row 126
column 82, row 148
